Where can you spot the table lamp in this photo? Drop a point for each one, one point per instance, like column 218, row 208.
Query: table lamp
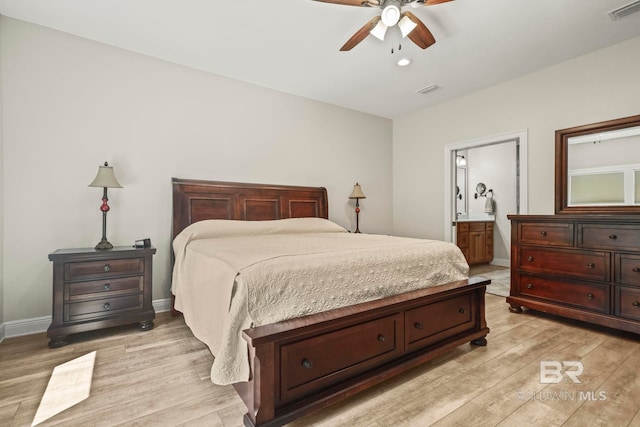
column 105, row 179
column 357, row 194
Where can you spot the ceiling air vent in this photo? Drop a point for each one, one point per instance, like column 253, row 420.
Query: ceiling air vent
column 625, row 10
column 429, row 88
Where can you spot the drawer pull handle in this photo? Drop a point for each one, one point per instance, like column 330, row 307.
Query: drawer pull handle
column 543, row 233
column 462, row 311
column 530, row 258
column 591, row 265
column 636, row 304
column 613, row 236
column 529, row 286
column 382, row 338
column 589, row 296
column 106, row 267
column 306, row 364
column 106, row 286
column 418, row 325
column 636, row 270
column 106, row 306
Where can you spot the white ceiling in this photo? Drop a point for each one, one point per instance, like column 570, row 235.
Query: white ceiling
column 292, row 45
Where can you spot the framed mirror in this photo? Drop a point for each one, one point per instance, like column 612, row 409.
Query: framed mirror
column 597, row 168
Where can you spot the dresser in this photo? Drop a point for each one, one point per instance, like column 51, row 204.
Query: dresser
column 584, row 267
column 95, row 289
column 475, row 240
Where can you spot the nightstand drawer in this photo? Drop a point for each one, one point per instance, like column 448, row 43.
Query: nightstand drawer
column 105, row 268
column 102, row 308
column 103, row 288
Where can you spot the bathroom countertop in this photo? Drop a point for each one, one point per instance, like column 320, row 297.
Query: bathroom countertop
column 476, row 218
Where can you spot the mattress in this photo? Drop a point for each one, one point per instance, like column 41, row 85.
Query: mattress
column 231, row 275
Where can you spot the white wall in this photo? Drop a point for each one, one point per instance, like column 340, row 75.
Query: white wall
column 595, row 87
column 70, row 104
column 495, row 166
column 1, row 195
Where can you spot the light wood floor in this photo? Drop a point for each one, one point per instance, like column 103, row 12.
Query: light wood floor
column 160, row 378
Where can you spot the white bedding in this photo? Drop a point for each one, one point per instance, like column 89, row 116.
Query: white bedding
column 231, row 275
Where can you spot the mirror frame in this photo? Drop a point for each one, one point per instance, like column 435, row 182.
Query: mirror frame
column 561, row 170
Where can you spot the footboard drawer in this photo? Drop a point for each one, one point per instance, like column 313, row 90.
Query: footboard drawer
column 317, row 362
column 434, row 322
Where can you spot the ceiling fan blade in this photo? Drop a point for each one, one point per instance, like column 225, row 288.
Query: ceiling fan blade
column 360, row 35
column 366, row 3
column 421, row 34
column 432, row 2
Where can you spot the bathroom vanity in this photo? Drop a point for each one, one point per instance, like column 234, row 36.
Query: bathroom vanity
column 475, row 239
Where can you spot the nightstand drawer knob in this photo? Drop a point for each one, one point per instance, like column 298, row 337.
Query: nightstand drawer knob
column 417, row 325
column 636, row 304
column 106, row 286
column 613, row 237
column 543, row 233
column 589, row 296
column 382, row 338
column 530, row 258
column 107, row 267
column 307, row 364
column 106, row 306
column 530, row 286
column 636, row 270
column 462, row 311
column 591, row 265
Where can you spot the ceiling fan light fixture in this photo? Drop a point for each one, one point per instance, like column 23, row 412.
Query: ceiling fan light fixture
column 379, row 31
column 390, row 15
column 406, row 25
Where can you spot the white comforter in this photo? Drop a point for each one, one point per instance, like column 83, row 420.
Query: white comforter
column 231, row 275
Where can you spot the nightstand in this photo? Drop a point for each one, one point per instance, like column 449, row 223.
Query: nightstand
column 95, row 289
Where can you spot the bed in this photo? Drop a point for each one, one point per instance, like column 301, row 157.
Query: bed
column 294, row 355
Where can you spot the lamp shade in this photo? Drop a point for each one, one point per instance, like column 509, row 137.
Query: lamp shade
column 105, row 178
column 357, row 192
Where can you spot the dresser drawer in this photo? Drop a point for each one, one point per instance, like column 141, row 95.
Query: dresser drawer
column 102, row 308
column 628, row 302
column 571, row 263
column 103, row 288
column 306, row 366
column 627, row 269
column 546, row 234
column 433, row 322
column 592, row 297
column 619, row 237
column 99, row 269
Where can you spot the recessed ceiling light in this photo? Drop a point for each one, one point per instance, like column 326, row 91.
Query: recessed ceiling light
column 403, row 62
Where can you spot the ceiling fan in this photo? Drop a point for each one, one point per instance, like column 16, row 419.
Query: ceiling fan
column 391, row 15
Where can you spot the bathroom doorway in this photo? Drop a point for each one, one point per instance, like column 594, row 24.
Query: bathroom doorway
column 486, row 179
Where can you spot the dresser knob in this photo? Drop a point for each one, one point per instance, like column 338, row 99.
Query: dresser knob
column 418, row 325
column 106, row 267
column 462, row 311
column 636, row 270
column 635, row 304
column 106, row 306
column 589, row 296
column 106, row 286
column 543, row 233
column 591, row 265
column 613, row 236
column 530, row 258
column 306, row 364
column 529, row 286
column 382, row 338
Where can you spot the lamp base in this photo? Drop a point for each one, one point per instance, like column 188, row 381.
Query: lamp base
column 103, row 245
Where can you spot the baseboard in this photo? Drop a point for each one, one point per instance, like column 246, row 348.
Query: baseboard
column 501, row 262
column 37, row 325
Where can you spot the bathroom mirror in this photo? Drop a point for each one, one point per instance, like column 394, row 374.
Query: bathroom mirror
column 598, row 168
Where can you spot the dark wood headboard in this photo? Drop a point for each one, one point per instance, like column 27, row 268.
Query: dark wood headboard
column 196, row 200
